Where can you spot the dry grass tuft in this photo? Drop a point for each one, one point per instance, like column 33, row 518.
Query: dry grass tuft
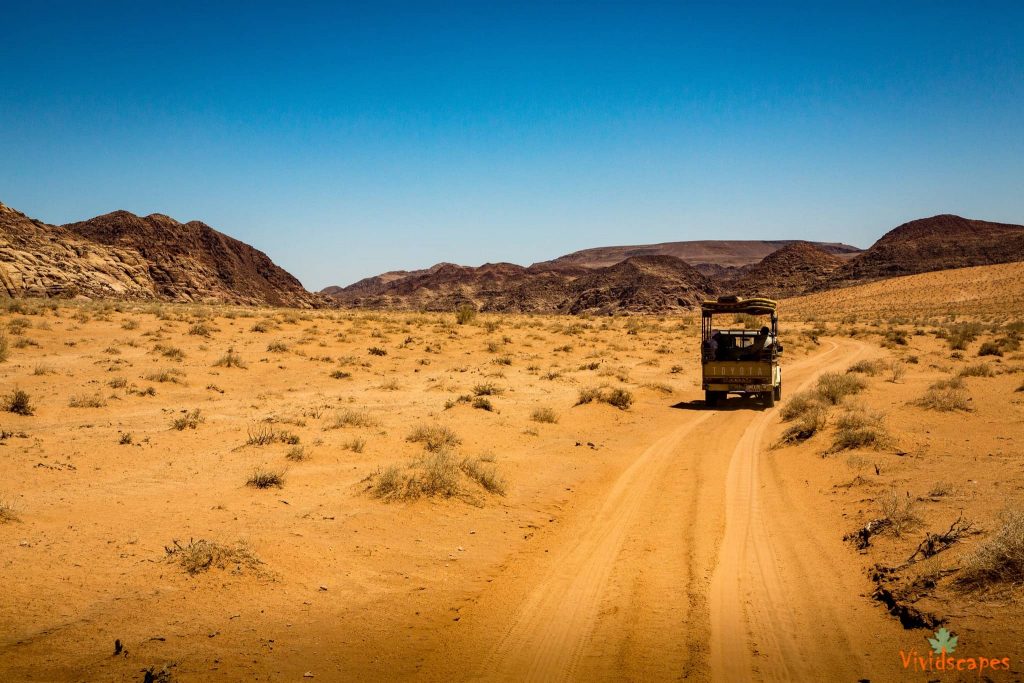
column 201, row 555
column 18, row 402
column 351, row 418
column 946, row 395
column 544, row 415
column 620, row 398
column 190, row 420
column 860, row 428
column 87, row 401
column 7, row 513
column 1000, row 560
column 899, row 511
column 265, row 479
column 435, row 438
column 833, row 387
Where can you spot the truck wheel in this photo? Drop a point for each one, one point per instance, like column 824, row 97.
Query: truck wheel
column 711, row 398
column 769, row 398
column 778, row 392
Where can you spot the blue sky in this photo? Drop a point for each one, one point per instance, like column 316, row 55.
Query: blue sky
column 349, row 139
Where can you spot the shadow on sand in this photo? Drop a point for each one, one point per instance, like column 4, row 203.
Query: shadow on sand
column 731, row 403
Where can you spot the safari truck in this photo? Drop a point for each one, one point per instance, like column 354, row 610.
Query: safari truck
column 735, row 359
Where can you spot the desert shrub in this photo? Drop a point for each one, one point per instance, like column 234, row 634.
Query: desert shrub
column 799, row 404
column 434, row 438
column 277, row 347
column 230, row 360
column 899, row 511
column 488, row 389
column 895, row 337
column 1000, row 559
column 171, row 375
column 260, row 326
column 946, row 396
column 867, row 367
column 833, row 387
column 130, row 324
column 190, row 420
column 356, row 445
column 990, row 348
column 87, row 401
column 265, row 479
column 805, row 424
column 483, row 403
column 5, row 346
column 340, row 374
column 977, row 370
column 860, row 428
column 544, row 415
column 351, row 418
column 465, row 313
column 484, row 474
column 42, row 369
column 896, row 371
column 7, row 513
column 172, row 352
column 200, row 330
column 749, row 322
column 620, row 398
column 118, row 383
column 296, row 454
column 18, row 402
column 377, row 351
column 125, row 439
column 200, row 556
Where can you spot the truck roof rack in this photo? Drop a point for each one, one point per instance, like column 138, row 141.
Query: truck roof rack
column 738, row 304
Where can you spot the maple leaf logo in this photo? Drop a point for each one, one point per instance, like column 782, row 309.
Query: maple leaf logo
column 944, row 642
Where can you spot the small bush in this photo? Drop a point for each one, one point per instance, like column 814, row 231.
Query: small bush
column 483, row 403
column 977, row 370
column 544, row 415
column 900, row 511
column 990, row 348
column 340, row 374
column 200, row 556
column 860, row 429
column 805, row 424
column 296, row 454
column 465, row 313
column 199, row 330
column 487, row 389
column 833, row 387
column 377, row 351
column 434, row 437
column 867, row 367
column 1000, row 560
column 277, row 347
column 87, row 401
column 173, row 375
column 356, row 445
column 351, row 418
column 190, row 420
column 620, row 398
column 265, row 479
column 484, row 474
column 7, row 513
column 798, row 405
column 946, row 395
column 125, row 439
column 230, row 360
column 19, row 403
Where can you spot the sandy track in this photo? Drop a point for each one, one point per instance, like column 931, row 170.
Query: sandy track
column 682, row 553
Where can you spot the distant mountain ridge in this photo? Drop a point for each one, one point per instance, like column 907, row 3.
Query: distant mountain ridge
column 124, row 256
column 646, row 278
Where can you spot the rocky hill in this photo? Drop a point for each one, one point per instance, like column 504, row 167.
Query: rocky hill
column 796, row 269
column 124, row 256
column 638, row 284
column 929, row 244
column 712, row 253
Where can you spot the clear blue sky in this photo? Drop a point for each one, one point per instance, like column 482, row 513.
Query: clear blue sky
column 345, row 140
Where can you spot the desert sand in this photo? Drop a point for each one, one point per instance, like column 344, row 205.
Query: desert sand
column 650, row 540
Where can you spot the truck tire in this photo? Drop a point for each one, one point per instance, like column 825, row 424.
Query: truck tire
column 778, row 391
column 769, row 398
column 711, row 398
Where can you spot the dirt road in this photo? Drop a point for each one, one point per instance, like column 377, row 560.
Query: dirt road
column 698, row 562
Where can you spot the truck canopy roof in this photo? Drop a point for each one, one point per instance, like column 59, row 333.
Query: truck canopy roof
column 738, row 304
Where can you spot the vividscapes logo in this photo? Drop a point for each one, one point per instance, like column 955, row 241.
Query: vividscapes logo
column 941, row 657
